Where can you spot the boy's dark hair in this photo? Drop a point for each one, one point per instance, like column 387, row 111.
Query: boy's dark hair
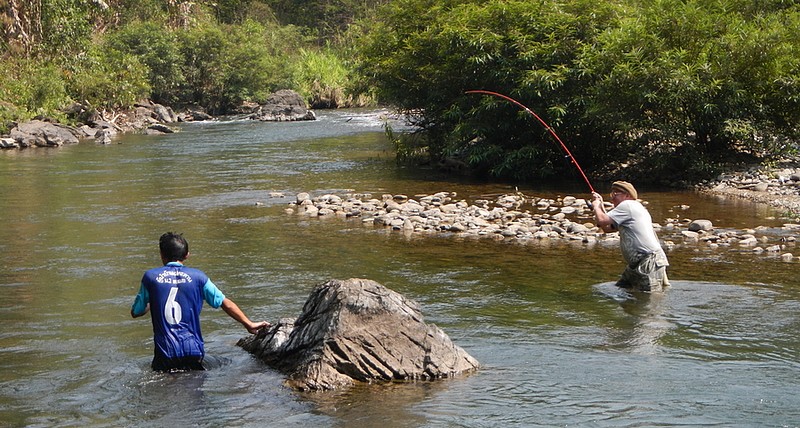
column 173, row 246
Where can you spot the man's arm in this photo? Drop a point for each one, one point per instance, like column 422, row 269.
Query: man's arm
column 604, row 222
column 234, row 312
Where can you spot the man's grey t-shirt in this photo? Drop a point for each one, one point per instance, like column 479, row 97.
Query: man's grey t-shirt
column 635, row 226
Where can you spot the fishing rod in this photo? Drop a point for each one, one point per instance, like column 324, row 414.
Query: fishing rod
column 546, row 126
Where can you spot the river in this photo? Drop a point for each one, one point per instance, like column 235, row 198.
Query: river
column 558, row 345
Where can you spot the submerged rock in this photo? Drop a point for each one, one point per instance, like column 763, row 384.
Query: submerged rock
column 357, row 330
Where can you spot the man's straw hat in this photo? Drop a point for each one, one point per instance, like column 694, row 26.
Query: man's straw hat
column 625, row 187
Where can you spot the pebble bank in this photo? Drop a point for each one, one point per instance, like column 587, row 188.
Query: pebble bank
column 529, row 219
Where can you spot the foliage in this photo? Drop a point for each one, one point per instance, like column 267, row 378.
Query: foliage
column 107, row 79
column 669, row 85
column 156, row 47
column 29, row 88
column 225, row 65
column 64, row 24
column 696, row 75
column 321, row 77
column 111, row 53
column 635, row 88
column 425, row 54
column 324, row 19
column 130, row 11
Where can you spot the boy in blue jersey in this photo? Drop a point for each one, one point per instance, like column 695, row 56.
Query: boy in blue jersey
column 174, row 295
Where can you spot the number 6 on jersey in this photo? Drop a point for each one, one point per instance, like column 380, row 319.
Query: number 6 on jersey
column 172, row 309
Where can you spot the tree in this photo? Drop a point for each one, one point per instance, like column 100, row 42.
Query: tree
column 659, row 85
column 156, row 47
column 21, row 25
column 424, row 54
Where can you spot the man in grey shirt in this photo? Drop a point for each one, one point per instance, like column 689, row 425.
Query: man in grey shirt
column 647, row 262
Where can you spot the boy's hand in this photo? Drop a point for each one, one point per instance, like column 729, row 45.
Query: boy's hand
column 255, row 327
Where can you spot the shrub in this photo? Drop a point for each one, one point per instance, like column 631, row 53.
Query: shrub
column 107, row 78
column 155, row 46
column 621, row 81
column 321, row 77
column 30, row 88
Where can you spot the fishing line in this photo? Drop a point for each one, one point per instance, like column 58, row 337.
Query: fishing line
column 546, row 126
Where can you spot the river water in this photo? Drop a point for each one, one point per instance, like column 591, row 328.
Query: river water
column 559, row 346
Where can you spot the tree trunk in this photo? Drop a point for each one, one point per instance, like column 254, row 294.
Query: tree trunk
column 22, row 24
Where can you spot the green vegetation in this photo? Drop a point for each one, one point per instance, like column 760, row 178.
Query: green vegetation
column 651, row 90
column 663, row 90
column 110, row 54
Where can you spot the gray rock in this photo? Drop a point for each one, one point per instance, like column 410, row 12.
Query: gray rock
column 196, row 115
column 357, row 331
column 164, row 114
column 103, row 136
column 8, row 143
column 159, row 128
column 43, row 134
column 282, row 106
column 698, row 225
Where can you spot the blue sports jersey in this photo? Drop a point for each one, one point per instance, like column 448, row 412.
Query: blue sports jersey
column 176, row 294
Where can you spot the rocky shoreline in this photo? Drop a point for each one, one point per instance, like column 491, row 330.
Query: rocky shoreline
column 530, row 220
column 777, row 186
column 145, row 117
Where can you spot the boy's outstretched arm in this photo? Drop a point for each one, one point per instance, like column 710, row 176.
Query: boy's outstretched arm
column 234, row 312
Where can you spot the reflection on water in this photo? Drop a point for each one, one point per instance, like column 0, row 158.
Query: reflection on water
column 713, row 321
column 81, row 224
column 376, row 405
column 646, row 321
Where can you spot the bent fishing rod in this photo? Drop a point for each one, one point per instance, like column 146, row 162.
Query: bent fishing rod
column 546, row 126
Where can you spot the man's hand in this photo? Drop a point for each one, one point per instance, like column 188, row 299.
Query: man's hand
column 597, row 200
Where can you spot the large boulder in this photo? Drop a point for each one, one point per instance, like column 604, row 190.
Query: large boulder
column 284, row 105
column 43, row 134
column 357, row 331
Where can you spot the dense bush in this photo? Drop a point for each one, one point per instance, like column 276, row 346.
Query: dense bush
column 29, row 88
column 107, row 79
column 217, row 54
column 653, row 85
column 156, row 46
column 322, row 77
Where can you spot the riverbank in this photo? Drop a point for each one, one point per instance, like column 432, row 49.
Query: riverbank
column 528, row 219
column 145, row 117
column 777, row 186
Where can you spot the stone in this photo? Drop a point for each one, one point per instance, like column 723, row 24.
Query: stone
column 698, row 225
column 103, row 136
column 159, row 128
column 357, row 330
column 493, row 219
column 748, row 240
column 8, row 143
column 43, row 134
column 284, row 105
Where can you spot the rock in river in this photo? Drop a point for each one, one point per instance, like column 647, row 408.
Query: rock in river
column 357, row 330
